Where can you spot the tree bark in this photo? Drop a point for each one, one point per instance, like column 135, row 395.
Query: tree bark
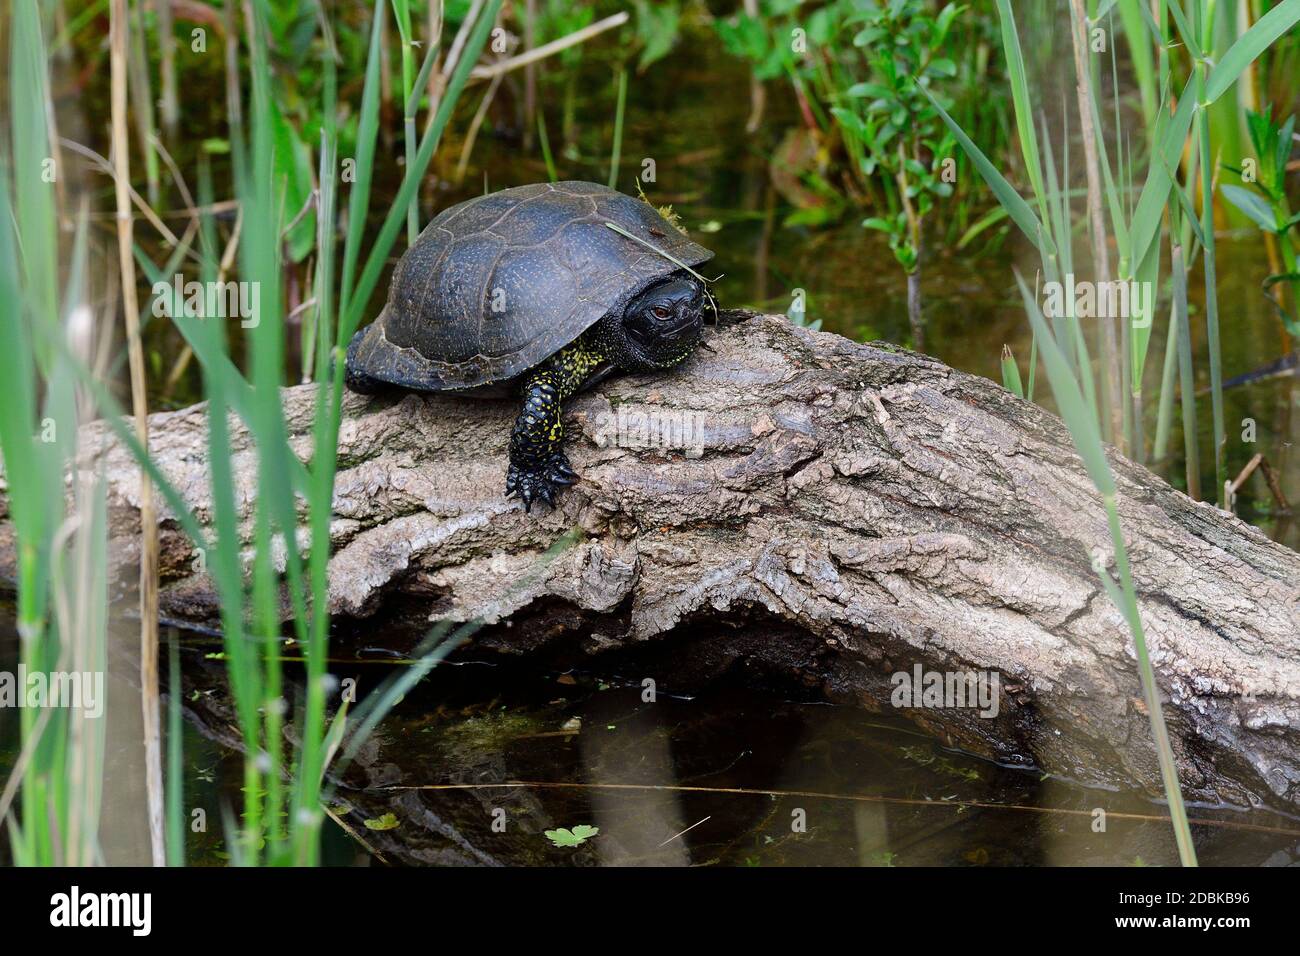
column 853, row 511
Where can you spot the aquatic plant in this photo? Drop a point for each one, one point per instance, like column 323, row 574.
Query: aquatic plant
column 1100, row 404
column 857, row 72
column 1262, row 198
column 47, row 333
column 564, row 837
column 900, row 143
column 282, row 814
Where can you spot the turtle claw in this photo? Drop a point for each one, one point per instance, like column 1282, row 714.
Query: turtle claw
column 559, row 467
column 540, row 483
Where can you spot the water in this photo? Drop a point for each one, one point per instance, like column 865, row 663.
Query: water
column 741, row 774
column 482, row 759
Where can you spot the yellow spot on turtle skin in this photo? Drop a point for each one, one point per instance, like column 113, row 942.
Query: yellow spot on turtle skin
column 538, row 432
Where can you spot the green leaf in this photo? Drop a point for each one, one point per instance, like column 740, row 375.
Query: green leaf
column 1011, row 373
column 858, row 90
column 869, row 36
column 990, row 218
column 1277, row 277
column 1074, row 408
column 1184, row 29
column 1249, row 46
column 575, row 837
column 1023, row 107
column 850, row 122
column 293, row 176
column 1147, row 276
column 943, row 22
column 657, row 30
column 808, row 216
column 386, row 822
column 1253, row 205
column 1006, row 194
column 1148, row 215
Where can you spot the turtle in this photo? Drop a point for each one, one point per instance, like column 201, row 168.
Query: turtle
column 537, row 291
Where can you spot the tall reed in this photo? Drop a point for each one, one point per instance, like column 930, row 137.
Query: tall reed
column 119, row 45
column 1138, row 231
column 286, row 527
column 60, row 542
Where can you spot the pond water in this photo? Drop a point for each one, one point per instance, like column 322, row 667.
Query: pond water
column 738, row 775
column 482, row 760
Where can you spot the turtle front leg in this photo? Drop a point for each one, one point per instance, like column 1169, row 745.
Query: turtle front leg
column 538, row 466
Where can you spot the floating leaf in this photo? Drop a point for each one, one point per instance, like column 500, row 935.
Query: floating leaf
column 575, row 837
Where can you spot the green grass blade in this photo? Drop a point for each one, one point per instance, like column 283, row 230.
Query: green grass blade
column 415, row 172
column 1074, row 408
column 1249, row 46
column 367, row 134
column 1087, row 441
column 616, row 149
column 1006, row 194
column 1020, row 98
column 1011, row 373
column 1147, row 216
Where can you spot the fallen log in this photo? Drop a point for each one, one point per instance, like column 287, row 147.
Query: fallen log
column 825, row 511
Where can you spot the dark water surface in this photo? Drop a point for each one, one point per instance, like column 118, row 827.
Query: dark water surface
column 753, row 779
column 481, row 760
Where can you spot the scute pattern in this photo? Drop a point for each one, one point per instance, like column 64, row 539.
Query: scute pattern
column 494, row 285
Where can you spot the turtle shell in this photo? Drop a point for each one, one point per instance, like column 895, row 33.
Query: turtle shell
column 499, row 283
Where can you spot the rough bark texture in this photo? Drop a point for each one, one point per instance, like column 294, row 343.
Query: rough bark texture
column 855, row 511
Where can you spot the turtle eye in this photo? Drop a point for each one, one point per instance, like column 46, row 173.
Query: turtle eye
column 659, row 312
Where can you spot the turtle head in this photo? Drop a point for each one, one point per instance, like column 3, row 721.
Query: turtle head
column 659, row 327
